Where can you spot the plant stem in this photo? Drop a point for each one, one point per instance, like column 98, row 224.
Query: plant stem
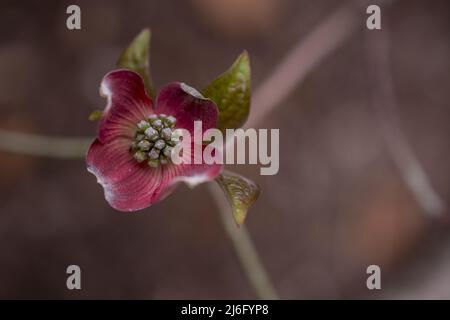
column 243, row 245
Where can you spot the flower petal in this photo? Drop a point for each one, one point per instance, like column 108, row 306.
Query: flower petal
column 128, row 103
column 188, row 171
column 191, row 174
column 128, row 185
column 187, row 105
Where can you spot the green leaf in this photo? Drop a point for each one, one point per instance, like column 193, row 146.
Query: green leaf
column 231, row 93
column 241, row 193
column 95, row 115
column 135, row 58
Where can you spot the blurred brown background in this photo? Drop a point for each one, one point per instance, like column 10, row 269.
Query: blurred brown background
column 337, row 205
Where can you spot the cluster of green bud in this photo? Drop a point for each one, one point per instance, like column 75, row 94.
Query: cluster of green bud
column 154, row 140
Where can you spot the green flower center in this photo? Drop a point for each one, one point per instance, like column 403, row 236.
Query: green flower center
column 154, row 140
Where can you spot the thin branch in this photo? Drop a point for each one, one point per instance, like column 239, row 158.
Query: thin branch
column 385, row 104
column 43, row 146
column 248, row 255
column 324, row 39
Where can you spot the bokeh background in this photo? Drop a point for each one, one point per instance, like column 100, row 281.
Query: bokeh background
column 338, row 204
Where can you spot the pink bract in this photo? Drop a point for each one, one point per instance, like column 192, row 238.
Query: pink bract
column 128, row 184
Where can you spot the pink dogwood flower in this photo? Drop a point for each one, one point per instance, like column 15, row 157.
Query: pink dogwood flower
column 131, row 156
